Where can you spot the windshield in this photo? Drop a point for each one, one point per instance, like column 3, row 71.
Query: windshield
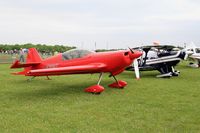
column 75, row 53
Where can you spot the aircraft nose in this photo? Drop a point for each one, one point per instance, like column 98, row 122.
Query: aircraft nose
column 135, row 54
column 138, row 54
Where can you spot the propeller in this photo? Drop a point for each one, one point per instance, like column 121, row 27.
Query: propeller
column 137, row 73
column 135, row 64
column 131, row 50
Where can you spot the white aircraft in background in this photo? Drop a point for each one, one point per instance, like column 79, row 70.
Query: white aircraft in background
column 193, row 53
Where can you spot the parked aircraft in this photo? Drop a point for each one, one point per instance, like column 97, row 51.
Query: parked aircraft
column 160, row 57
column 79, row 62
column 193, row 53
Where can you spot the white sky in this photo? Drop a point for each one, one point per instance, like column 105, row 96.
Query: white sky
column 109, row 23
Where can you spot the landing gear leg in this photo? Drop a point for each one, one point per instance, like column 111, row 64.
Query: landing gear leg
column 96, row 89
column 30, row 79
column 100, row 78
column 48, row 78
column 165, row 71
column 118, row 84
column 115, row 79
column 174, row 72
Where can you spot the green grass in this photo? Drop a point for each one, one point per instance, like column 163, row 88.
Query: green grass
column 60, row 105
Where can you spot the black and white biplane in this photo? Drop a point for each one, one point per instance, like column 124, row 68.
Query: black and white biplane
column 162, row 58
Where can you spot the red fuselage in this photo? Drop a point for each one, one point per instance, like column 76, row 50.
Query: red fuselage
column 113, row 62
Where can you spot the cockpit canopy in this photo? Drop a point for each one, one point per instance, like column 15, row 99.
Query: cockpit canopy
column 75, row 53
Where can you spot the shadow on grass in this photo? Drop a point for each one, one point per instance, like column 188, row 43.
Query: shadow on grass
column 143, row 74
column 41, row 88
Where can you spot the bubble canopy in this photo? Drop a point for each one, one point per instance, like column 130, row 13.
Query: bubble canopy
column 75, row 53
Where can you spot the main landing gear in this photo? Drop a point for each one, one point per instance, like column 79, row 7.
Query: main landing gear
column 97, row 89
column 167, row 72
column 118, row 84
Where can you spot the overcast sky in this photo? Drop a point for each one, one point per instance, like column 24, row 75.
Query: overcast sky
column 109, row 23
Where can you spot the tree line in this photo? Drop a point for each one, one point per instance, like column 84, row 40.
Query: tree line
column 39, row 47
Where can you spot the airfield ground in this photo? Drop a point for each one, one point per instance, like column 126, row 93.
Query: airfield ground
column 60, row 105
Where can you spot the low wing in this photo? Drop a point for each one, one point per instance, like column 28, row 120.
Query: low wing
column 90, row 68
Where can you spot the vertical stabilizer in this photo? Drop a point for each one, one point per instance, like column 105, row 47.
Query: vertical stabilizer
column 33, row 59
column 33, row 56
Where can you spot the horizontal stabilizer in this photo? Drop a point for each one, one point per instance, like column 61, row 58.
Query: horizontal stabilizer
column 19, row 73
column 17, row 64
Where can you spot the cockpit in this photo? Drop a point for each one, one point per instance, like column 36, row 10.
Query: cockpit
column 154, row 52
column 75, row 53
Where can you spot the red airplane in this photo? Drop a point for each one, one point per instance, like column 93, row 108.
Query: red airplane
column 79, row 62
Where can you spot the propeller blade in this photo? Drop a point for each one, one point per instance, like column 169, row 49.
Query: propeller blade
column 131, row 50
column 137, row 73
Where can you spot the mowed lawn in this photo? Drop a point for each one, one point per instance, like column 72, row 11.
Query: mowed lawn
column 60, row 105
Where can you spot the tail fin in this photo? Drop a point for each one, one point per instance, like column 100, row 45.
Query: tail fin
column 33, row 56
column 33, row 59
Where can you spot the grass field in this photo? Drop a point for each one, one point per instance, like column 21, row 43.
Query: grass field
column 7, row 58
column 60, row 105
